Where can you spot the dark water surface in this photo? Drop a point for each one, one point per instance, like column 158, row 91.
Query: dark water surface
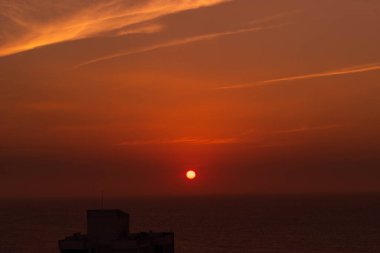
column 270, row 224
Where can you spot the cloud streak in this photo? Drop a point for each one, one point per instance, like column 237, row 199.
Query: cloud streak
column 250, row 136
column 26, row 25
column 173, row 43
column 308, row 129
column 338, row 72
column 186, row 140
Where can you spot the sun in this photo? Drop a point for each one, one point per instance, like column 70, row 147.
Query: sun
column 190, row 174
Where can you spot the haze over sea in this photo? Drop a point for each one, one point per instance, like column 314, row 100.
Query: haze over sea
column 270, row 224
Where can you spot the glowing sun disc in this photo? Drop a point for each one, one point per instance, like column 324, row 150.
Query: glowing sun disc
column 190, row 174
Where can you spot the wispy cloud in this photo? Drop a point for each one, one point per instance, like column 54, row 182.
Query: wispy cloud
column 338, row 72
column 274, row 17
column 154, row 28
column 176, row 42
column 308, row 129
column 26, row 25
column 186, row 140
column 250, row 136
column 196, row 38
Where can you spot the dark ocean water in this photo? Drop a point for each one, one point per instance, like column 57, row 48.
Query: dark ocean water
column 270, row 224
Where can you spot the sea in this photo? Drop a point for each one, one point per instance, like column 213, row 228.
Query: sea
column 347, row 223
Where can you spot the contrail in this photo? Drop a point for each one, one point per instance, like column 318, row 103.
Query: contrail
column 339, row 72
column 173, row 43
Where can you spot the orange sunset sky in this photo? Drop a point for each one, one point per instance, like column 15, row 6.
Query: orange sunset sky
column 258, row 96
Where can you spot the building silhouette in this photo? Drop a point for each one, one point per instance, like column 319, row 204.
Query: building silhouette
column 108, row 232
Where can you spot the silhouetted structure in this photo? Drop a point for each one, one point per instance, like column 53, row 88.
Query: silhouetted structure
column 108, row 232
